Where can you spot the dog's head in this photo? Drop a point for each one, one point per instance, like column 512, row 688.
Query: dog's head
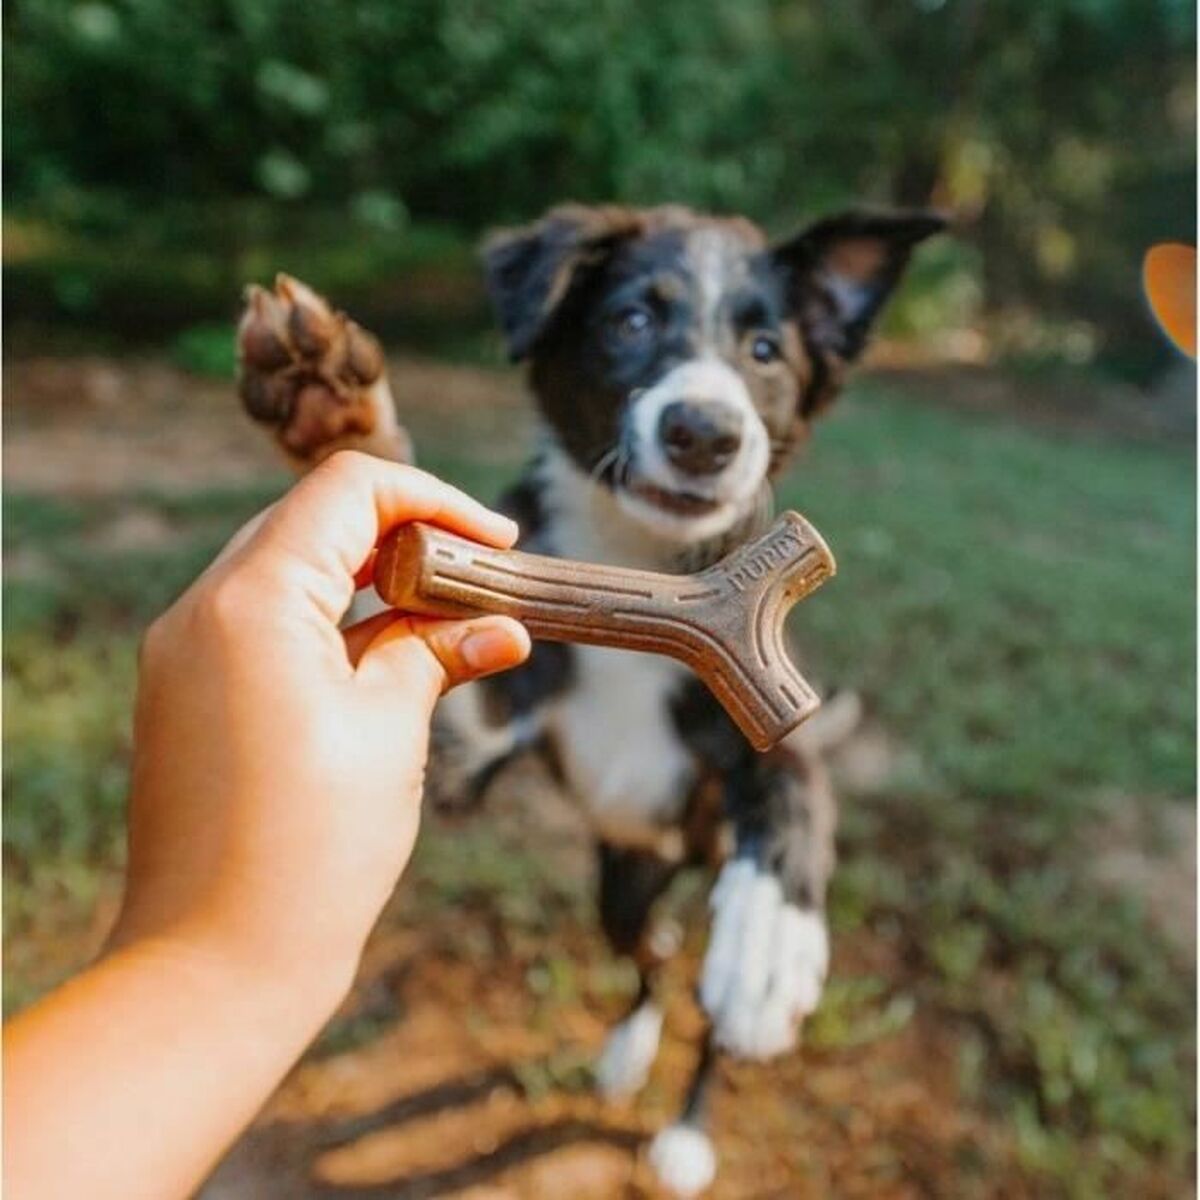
column 678, row 358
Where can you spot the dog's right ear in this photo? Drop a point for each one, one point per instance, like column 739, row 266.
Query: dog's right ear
column 843, row 269
column 530, row 270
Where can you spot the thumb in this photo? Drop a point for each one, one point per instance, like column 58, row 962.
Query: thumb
column 442, row 654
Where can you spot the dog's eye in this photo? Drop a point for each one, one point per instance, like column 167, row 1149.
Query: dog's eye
column 634, row 323
column 765, row 348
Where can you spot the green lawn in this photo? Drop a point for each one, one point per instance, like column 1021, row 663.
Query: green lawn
column 1020, row 607
column 1018, row 612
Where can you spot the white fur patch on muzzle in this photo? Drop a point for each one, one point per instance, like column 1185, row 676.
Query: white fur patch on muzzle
column 733, row 490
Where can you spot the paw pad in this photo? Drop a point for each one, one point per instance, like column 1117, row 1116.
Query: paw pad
column 306, row 369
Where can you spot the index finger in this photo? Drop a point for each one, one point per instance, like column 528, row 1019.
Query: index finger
column 333, row 518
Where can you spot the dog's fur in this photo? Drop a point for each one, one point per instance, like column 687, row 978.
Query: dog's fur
column 677, row 362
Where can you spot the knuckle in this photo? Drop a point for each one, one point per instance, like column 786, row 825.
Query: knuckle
column 344, row 465
column 224, row 603
column 346, row 468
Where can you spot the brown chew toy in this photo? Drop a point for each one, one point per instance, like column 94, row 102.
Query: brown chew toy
column 725, row 623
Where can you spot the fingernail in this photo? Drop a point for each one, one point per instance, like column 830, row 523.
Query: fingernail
column 487, row 649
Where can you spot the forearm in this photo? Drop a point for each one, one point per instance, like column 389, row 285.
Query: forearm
column 134, row 1077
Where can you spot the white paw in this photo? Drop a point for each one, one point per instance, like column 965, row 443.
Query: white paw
column 765, row 964
column 629, row 1053
column 683, row 1159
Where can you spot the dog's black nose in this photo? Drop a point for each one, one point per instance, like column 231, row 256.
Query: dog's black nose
column 700, row 437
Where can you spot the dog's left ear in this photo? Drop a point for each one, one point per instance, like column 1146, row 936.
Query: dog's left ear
column 839, row 272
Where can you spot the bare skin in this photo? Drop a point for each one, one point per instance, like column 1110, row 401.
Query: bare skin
column 275, row 799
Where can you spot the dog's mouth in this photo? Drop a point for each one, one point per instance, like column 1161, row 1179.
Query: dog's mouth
column 625, row 478
column 674, row 511
column 677, row 502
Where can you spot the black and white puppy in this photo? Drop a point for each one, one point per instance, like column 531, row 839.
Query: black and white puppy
column 676, row 362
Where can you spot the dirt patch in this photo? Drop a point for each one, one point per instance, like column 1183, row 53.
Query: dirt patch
column 1150, row 853
column 476, row 1091
column 473, row 1080
column 95, row 426
column 137, row 529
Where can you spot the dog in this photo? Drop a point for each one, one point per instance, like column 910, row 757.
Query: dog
column 677, row 362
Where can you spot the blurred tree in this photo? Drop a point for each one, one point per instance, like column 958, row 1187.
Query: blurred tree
column 1064, row 127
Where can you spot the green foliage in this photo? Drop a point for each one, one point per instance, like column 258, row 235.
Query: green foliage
column 1062, row 130
column 207, row 349
column 856, row 1011
column 32, row 520
column 154, row 274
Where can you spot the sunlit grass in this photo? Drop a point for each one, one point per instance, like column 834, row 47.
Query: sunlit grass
column 1019, row 608
column 1017, row 611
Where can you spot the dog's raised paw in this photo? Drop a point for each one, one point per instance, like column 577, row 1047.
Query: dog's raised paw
column 314, row 376
column 683, row 1159
column 765, row 964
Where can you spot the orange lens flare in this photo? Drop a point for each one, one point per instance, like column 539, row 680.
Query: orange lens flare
column 1169, row 280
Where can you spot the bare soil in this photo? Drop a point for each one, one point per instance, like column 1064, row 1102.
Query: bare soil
column 475, row 1085
column 95, row 426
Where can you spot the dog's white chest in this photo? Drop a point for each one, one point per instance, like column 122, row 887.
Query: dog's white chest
column 620, row 751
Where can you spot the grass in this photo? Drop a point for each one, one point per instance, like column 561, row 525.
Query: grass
column 1017, row 611
column 1019, row 606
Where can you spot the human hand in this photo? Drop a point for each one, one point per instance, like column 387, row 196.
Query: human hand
column 278, row 760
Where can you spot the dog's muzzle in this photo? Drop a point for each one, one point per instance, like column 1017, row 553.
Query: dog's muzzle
column 698, row 452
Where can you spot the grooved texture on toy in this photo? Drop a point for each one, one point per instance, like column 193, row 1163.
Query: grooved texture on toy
column 725, row 623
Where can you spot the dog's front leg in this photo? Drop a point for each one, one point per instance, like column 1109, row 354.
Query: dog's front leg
column 769, row 949
column 481, row 727
column 631, row 881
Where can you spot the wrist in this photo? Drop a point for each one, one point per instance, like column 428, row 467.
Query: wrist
column 243, row 944
column 291, row 996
